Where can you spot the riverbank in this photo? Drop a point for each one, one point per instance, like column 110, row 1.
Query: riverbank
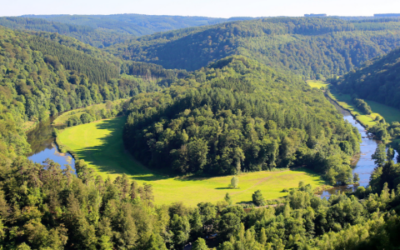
column 344, row 101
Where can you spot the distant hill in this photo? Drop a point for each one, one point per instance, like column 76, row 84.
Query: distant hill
column 105, row 30
column 95, row 37
column 313, row 47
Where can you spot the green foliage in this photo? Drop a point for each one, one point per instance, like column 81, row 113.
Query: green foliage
column 356, row 178
column 228, row 198
column 95, row 37
column 258, row 199
column 200, row 244
column 362, row 105
column 238, row 115
column 376, row 80
column 42, row 77
column 380, row 154
column 312, row 47
column 234, row 182
column 134, row 24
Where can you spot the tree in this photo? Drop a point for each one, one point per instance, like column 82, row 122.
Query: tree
column 234, row 182
column 258, row 198
column 380, row 154
column 390, row 154
column 228, row 198
column 356, row 178
column 200, row 244
column 229, row 225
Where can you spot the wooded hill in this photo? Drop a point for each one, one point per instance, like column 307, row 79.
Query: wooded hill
column 313, row 47
column 105, row 30
column 377, row 80
column 89, row 35
column 136, row 24
column 239, row 115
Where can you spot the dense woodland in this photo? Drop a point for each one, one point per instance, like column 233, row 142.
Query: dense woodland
column 237, row 115
column 135, row 24
column 102, row 31
column 89, row 35
column 376, row 80
column 312, row 47
column 234, row 115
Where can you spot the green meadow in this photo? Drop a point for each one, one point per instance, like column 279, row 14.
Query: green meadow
column 317, row 84
column 390, row 114
column 100, row 145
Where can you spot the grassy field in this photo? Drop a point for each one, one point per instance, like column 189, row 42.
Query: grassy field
column 317, row 84
column 63, row 118
column 100, row 145
column 389, row 113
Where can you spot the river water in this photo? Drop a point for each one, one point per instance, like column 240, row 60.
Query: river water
column 43, row 146
column 365, row 165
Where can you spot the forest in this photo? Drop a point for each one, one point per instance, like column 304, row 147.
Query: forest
column 375, row 80
column 89, row 35
column 237, row 114
column 102, row 31
column 312, row 47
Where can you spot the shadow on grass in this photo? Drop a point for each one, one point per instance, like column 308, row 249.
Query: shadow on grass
column 222, row 188
column 111, row 157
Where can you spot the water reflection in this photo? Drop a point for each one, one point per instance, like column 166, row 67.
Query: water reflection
column 42, row 141
column 365, row 165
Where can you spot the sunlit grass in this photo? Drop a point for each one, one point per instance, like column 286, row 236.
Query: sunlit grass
column 317, row 84
column 100, row 145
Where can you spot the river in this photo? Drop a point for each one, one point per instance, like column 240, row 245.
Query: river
column 43, row 146
column 365, row 165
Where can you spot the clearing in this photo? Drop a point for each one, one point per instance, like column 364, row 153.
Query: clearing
column 100, row 145
column 317, row 84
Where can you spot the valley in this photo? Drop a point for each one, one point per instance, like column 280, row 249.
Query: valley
column 100, row 145
column 156, row 132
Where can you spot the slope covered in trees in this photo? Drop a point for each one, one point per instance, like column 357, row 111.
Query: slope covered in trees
column 376, row 80
column 41, row 77
column 104, row 30
column 238, row 115
column 135, row 24
column 95, row 37
column 312, row 47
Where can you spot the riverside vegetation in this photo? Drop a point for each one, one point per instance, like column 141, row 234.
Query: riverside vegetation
column 234, row 115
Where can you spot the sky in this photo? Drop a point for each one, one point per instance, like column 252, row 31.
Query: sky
column 210, row 8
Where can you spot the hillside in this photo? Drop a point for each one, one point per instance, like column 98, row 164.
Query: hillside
column 104, row 30
column 376, row 80
column 41, row 77
column 87, row 34
column 313, row 47
column 135, row 24
column 238, row 115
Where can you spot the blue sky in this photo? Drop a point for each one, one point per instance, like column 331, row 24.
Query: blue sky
column 211, row 8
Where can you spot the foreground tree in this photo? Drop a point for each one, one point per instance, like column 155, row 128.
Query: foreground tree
column 258, row 198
